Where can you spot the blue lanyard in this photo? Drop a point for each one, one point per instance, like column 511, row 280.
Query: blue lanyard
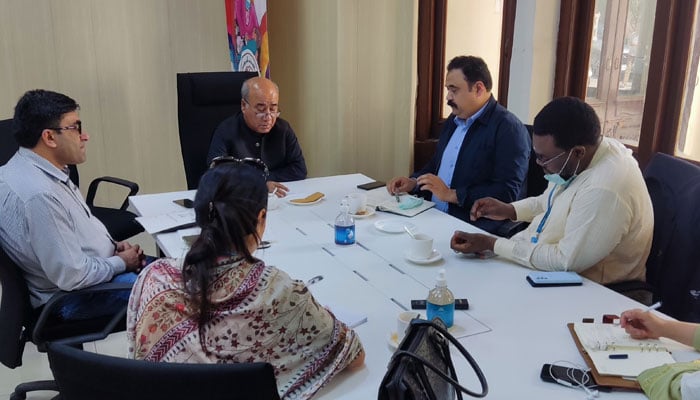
column 540, row 227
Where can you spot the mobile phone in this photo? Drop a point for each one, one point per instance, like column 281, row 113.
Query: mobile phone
column 371, row 185
column 460, row 304
column 567, row 376
column 553, row 278
column 187, row 203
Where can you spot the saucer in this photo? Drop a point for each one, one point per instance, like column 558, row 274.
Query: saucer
column 304, row 204
column 393, row 225
column 392, row 339
column 434, row 256
column 366, row 212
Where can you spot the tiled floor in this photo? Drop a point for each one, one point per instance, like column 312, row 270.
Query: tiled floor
column 35, row 365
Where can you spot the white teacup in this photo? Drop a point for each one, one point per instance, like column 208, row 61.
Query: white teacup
column 402, row 322
column 356, row 202
column 421, row 246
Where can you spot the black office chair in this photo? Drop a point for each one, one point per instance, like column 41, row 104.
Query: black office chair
column 204, row 100
column 673, row 266
column 120, row 223
column 82, row 375
column 533, row 185
column 21, row 323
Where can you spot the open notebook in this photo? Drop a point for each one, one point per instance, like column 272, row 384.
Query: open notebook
column 601, row 341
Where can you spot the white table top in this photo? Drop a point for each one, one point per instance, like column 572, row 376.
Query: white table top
column 511, row 328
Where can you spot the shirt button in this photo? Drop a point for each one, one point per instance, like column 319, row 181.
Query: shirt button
column 257, row 144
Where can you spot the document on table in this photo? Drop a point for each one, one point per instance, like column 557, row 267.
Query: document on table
column 168, row 222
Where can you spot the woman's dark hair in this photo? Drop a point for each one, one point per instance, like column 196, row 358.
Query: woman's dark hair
column 473, row 68
column 228, row 201
column 570, row 121
column 37, row 110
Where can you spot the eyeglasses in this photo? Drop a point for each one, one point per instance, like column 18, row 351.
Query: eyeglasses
column 544, row 161
column 253, row 162
column 77, row 127
column 274, row 112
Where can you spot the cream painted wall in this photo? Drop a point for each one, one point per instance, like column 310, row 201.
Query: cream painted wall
column 118, row 59
column 346, row 71
column 474, row 29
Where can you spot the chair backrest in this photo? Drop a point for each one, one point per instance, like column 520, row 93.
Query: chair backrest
column 204, row 99
column 8, row 144
column 85, row 375
column 673, row 266
column 16, row 312
column 534, row 183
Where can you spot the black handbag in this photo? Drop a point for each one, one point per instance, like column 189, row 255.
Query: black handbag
column 422, row 368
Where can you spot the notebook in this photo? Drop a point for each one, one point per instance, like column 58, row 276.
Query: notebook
column 629, row 356
column 394, row 207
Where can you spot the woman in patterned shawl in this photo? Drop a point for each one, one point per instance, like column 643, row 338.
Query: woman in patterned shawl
column 223, row 305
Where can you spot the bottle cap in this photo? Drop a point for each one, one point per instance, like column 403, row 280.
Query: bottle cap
column 441, row 281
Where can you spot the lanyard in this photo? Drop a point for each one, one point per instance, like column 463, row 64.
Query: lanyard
column 540, row 227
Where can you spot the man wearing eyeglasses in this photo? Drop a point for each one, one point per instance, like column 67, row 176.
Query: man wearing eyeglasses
column 595, row 217
column 257, row 132
column 45, row 225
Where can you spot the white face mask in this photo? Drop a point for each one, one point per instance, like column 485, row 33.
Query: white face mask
column 557, row 179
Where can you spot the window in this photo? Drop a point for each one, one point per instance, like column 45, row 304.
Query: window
column 618, row 65
column 450, row 28
column 688, row 142
column 634, row 70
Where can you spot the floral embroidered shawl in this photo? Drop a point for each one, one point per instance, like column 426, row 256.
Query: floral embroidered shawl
column 259, row 314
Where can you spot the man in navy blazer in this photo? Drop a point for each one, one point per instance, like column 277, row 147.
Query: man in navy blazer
column 483, row 148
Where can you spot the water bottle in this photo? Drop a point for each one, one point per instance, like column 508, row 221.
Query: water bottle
column 441, row 301
column 344, row 225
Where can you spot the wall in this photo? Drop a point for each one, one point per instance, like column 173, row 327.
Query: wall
column 534, row 56
column 346, row 71
column 118, row 59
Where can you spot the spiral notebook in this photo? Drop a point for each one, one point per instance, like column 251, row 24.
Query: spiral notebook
column 613, row 352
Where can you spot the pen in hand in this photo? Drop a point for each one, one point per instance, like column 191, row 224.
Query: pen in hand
column 654, row 306
column 636, row 323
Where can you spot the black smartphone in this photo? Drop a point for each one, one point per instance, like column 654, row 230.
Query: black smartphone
column 371, row 185
column 460, row 304
column 572, row 376
column 187, row 203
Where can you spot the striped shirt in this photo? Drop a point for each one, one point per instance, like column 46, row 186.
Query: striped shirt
column 49, row 231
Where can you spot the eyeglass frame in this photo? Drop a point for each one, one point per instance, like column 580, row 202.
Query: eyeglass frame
column 262, row 115
column 549, row 160
column 78, row 126
column 253, row 162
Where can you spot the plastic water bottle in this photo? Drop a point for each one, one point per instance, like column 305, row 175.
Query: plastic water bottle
column 441, row 301
column 344, row 225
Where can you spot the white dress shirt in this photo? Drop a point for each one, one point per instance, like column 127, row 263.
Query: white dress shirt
column 600, row 225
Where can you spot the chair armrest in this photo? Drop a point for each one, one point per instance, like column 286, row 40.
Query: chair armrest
column 510, row 228
column 92, row 190
column 628, row 288
column 55, row 302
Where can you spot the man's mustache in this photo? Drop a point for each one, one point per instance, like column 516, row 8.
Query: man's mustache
column 451, row 103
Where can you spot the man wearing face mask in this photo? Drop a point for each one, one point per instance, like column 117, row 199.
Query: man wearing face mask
column 595, row 217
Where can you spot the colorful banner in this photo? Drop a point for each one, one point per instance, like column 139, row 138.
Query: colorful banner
column 246, row 21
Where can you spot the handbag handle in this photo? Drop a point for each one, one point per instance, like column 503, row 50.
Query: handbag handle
column 465, row 353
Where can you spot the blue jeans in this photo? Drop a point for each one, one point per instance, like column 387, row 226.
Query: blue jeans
column 93, row 305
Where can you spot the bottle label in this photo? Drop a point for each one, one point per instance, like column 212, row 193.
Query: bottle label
column 445, row 312
column 345, row 234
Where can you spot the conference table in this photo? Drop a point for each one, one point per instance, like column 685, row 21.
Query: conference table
column 511, row 328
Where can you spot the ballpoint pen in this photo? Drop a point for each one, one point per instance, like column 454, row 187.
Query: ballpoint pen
column 396, row 194
column 654, row 306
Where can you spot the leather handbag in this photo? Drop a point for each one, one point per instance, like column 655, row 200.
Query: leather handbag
column 421, row 368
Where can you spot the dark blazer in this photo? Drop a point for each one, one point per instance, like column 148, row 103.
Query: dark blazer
column 279, row 148
column 492, row 161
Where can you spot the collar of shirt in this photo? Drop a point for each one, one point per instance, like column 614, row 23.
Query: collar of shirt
column 469, row 121
column 44, row 165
